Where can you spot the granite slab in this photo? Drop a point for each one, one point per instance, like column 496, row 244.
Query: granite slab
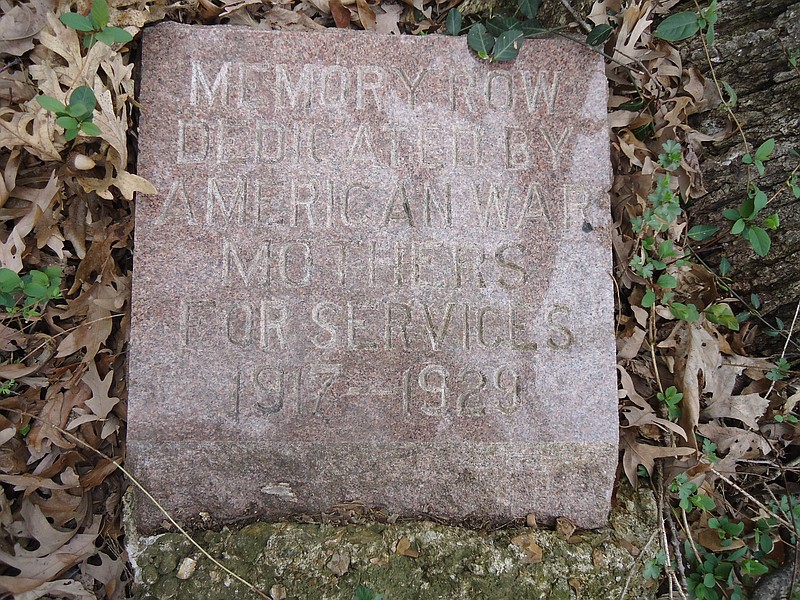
column 377, row 269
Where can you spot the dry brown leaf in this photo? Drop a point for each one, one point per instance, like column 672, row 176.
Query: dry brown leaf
column 341, row 14
column 565, row 527
column 34, row 132
column 639, row 417
column 533, row 551
column 636, row 453
column 12, row 251
column 90, row 335
column 280, row 18
column 696, row 355
column 366, row 15
column 100, row 403
column 387, row 17
column 19, row 24
column 405, row 548
column 710, row 539
column 25, row 588
column 45, row 568
column 746, row 408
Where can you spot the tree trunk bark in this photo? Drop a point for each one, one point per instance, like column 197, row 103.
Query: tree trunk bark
column 754, row 41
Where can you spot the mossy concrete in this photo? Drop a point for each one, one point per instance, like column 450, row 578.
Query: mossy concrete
column 322, row 561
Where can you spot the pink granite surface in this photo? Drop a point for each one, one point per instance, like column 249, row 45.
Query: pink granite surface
column 377, row 269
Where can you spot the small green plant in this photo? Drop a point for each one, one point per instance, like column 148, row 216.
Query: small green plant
column 77, row 115
column 27, row 294
column 364, row 593
column 672, row 398
column 6, row 387
column 689, row 497
column 654, row 566
column 780, row 370
column 96, row 26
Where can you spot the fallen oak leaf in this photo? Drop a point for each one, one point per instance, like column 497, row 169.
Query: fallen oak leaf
column 100, row 403
column 636, row 453
column 639, row 417
column 746, row 408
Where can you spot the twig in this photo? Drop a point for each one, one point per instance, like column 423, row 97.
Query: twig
column 737, row 296
column 785, row 345
column 672, row 578
column 689, row 535
column 631, row 572
column 576, row 16
column 676, row 546
column 752, row 499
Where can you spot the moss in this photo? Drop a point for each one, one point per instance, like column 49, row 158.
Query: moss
column 453, row 562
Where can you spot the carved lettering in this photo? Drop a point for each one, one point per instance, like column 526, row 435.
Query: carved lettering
column 213, row 91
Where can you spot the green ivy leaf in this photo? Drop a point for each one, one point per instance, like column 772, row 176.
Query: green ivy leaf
column 732, row 97
column 90, row 128
column 531, row 28
column 753, row 567
column 9, row 281
column 67, row 122
column 721, row 314
column 453, row 22
column 99, row 14
column 529, row 8
column 685, row 312
column 678, row 27
column 479, row 40
column 759, row 201
column 82, row 103
column 703, row 502
column 364, row 593
column 765, row 150
column 667, row 281
column 760, row 241
column 599, row 35
column 36, row 291
column 731, row 214
column 499, row 24
column 70, row 134
column 508, row 45
column 50, row 103
column 111, row 35
column 698, row 233
column 738, row 227
column 648, row 299
column 77, row 22
column 724, row 266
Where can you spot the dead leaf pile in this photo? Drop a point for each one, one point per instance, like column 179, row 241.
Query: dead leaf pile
column 69, row 205
column 731, row 434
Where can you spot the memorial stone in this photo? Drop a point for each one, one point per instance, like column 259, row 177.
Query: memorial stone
column 377, row 269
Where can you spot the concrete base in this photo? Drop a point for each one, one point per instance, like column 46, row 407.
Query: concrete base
column 316, row 561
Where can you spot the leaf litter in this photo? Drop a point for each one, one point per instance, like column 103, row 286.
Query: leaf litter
column 70, row 205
